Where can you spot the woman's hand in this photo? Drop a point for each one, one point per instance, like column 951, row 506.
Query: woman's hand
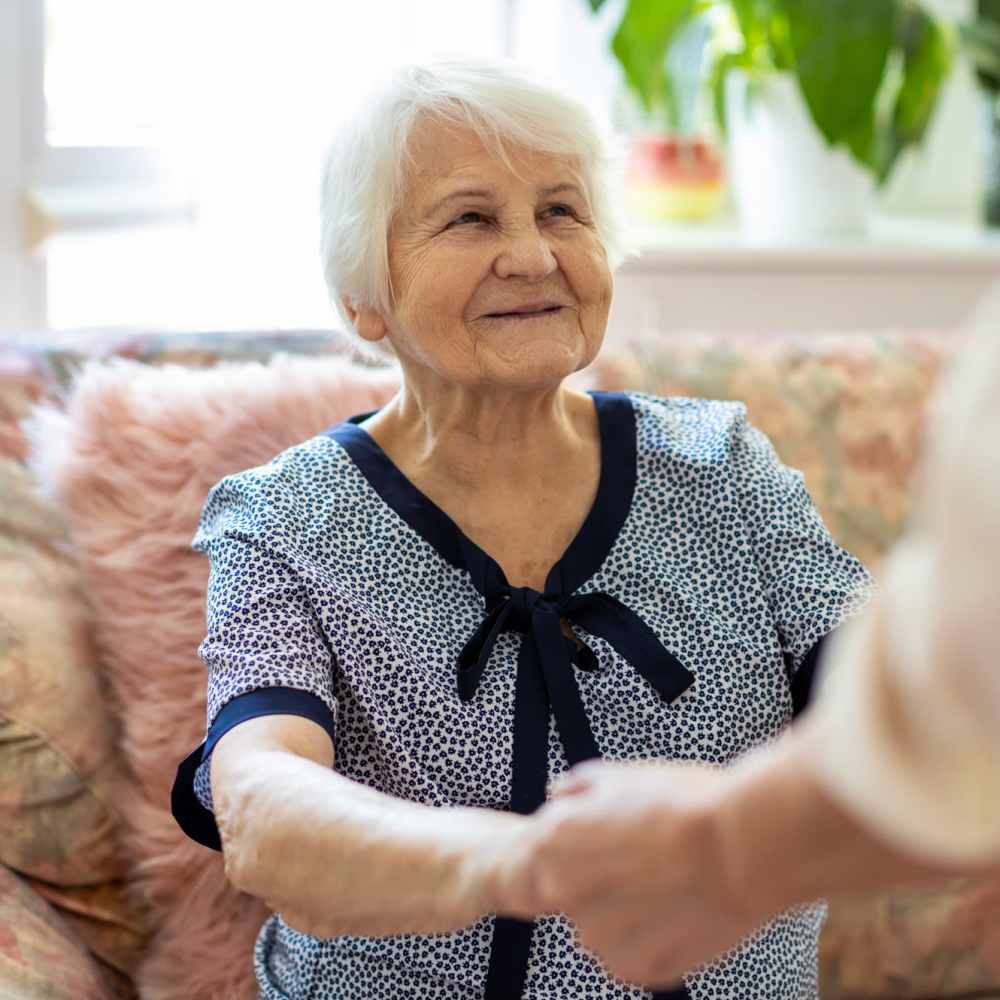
column 631, row 853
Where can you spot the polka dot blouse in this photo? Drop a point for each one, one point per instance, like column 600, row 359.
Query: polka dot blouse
column 699, row 589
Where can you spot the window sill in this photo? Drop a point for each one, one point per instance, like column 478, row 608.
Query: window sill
column 907, row 273
column 893, row 243
column 52, row 209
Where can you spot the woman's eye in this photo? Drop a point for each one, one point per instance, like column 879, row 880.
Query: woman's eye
column 561, row 211
column 468, row 217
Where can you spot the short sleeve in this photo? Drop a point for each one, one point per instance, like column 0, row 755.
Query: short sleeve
column 813, row 585
column 264, row 650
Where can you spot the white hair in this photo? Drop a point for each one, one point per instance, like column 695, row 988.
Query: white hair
column 364, row 167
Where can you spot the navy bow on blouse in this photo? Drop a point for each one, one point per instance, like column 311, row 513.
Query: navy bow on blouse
column 545, row 682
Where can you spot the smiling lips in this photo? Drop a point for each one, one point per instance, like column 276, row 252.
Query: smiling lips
column 530, row 310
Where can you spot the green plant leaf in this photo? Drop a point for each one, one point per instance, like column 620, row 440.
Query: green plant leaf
column 928, row 49
column 725, row 62
column 595, row 5
column 751, row 15
column 668, row 110
column 981, row 40
column 779, row 42
column 864, row 143
column 640, row 44
column 840, row 53
column 988, row 10
column 755, row 20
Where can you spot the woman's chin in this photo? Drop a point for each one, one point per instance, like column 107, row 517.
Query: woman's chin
column 532, row 341
column 552, row 355
column 533, row 369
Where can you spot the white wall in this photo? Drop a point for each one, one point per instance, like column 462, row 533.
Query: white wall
column 22, row 286
column 946, row 176
column 10, row 166
column 562, row 37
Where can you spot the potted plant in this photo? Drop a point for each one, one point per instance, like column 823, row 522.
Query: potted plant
column 981, row 39
column 675, row 167
column 816, row 98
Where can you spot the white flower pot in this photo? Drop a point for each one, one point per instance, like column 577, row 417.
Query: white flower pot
column 788, row 185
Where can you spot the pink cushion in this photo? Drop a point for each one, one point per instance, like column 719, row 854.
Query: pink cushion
column 130, row 462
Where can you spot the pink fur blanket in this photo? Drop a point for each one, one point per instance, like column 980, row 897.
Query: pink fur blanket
column 130, row 460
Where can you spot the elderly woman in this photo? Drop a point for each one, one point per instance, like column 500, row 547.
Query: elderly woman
column 420, row 616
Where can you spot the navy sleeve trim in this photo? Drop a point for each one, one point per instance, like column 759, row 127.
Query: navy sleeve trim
column 192, row 817
column 806, row 677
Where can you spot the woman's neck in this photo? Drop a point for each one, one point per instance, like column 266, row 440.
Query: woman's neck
column 485, row 444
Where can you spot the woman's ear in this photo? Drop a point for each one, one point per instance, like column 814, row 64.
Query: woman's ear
column 367, row 320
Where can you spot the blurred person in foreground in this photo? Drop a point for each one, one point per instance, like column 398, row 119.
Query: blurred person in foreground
column 891, row 777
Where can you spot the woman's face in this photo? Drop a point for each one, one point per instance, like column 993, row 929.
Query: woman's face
column 497, row 276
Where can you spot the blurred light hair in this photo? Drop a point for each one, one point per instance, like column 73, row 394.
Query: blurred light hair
column 364, row 167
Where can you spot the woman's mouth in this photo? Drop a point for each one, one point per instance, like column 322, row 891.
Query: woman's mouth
column 526, row 314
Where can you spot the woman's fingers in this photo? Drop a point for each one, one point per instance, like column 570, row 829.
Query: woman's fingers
column 575, row 781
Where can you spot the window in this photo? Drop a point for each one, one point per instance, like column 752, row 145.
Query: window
column 96, row 113
column 109, row 69
column 202, row 126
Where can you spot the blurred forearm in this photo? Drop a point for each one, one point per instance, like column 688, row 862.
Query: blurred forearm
column 905, row 734
column 785, row 840
column 873, row 787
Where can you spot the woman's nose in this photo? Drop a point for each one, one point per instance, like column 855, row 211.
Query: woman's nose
column 526, row 254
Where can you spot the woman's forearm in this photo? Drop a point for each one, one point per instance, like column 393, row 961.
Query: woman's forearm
column 335, row 857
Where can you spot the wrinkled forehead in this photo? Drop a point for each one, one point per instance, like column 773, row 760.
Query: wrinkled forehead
column 444, row 157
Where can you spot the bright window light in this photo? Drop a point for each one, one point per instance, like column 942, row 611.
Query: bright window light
column 110, row 71
column 242, row 96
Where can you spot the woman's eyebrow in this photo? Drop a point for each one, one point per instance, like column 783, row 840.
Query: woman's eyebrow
column 460, row 193
column 545, row 192
column 548, row 192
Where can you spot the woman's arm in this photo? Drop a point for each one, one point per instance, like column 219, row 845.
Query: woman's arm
column 334, row 857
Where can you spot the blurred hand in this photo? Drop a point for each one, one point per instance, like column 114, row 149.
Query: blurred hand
column 632, row 854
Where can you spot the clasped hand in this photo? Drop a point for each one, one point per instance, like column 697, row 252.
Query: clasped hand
column 633, row 855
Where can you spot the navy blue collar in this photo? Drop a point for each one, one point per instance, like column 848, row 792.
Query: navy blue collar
column 584, row 555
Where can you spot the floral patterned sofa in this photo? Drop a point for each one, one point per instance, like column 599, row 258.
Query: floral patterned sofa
column 75, row 920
